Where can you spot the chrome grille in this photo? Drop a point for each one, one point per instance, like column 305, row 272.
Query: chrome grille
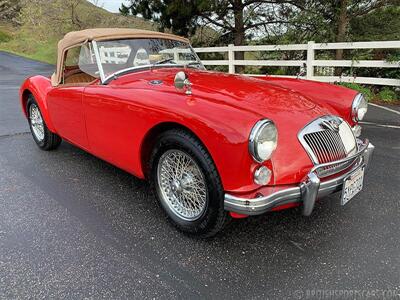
column 328, row 139
column 327, row 145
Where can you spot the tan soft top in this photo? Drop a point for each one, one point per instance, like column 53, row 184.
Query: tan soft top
column 76, row 38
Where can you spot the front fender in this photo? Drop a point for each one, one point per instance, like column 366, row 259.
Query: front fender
column 38, row 86
column 336, row 98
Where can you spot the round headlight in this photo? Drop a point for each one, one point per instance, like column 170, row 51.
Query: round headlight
column 263, row 140
column 359, row 108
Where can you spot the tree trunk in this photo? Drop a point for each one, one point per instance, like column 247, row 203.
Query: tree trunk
column 342, row 23
column 239, row 32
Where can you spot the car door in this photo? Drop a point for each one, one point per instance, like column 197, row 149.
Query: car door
column 65, row 102
column 110, row 113
column 65, row 106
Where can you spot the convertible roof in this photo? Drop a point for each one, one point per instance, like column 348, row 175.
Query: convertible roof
column 76, row 38
column 101, row 34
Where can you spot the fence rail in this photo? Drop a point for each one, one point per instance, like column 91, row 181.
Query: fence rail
column 310, row 62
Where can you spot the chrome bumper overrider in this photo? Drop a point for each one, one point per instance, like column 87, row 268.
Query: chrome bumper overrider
column 307, row 191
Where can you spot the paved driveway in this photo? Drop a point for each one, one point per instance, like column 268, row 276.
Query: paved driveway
column 74, row 226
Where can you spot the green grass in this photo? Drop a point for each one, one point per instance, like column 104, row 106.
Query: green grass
column 41, row 43
column 38, row 40
column 5, row 37
column 45, row 51
column 388, row 95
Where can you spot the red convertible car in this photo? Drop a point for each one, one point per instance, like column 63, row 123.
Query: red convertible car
column 213, row 145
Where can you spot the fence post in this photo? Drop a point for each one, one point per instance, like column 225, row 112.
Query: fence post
column 176, row 55
column 310, row 60
column 231, row 58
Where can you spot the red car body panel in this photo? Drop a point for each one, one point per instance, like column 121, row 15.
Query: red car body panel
column 38, row 86
column 335, row 97
column 65, row 105
column 112, row 121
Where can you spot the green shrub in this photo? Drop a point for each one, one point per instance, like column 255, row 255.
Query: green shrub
column 4, row 37
column 366, row 91
column 278, row 72
column 387, row 95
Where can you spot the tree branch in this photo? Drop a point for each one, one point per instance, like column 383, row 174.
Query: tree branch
column 224, row 26
column 369, row 8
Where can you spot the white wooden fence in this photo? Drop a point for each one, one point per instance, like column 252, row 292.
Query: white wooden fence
column 310, row 61
column 114, row 55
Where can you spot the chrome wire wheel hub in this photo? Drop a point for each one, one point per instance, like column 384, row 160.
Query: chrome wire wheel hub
column 36, row 122
column 181, row 185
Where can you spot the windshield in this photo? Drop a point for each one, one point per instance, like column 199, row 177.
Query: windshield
column 119, row 55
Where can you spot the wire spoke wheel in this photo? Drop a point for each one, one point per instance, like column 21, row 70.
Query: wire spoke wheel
column 37, row 124
column 181, row 185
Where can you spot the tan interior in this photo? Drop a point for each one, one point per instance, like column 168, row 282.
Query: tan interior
column 78, row 78
column 74, row 75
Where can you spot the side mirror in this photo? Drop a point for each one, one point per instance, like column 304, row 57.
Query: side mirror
column 182, row 82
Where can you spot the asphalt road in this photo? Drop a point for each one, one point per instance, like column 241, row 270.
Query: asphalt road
column 74, row 226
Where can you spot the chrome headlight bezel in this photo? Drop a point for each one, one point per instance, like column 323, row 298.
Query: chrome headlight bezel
column 359, row 102
column 258, row 128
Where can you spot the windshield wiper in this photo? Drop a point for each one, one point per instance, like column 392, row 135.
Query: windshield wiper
column 195, row 64
column 163, row 61
column 133, row 69
column 124, row 72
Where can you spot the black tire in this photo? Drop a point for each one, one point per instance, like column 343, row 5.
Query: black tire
column 214, row 217
column 50, row 140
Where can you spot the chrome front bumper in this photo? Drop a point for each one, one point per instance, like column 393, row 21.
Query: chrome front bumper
column 306, row 192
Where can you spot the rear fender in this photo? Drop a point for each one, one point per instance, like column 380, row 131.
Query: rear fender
column 39, row 87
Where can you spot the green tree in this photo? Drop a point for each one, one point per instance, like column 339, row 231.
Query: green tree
column 343, row 11
column 381, row 24
column 236, row 20
column 329, row 20
column 169, row 14
column 339, row 21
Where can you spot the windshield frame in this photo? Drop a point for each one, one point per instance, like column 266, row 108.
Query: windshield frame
column 106, row 79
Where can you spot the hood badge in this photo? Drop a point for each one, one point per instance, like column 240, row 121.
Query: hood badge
column 155, row 82
column 331, row 124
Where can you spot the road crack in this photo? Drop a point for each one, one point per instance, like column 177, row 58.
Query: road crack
column 4, row 136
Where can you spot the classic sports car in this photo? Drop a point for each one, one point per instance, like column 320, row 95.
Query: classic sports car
column 213, row 145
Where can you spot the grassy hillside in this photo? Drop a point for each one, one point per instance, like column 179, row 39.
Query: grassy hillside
column 40, row 30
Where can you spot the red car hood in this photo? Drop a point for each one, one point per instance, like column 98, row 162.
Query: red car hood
column 246, row 93
column 250, row 92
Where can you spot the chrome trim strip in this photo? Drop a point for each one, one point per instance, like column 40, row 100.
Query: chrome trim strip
column 98, row 60
column 361, row 150
column 307, row 191
column 138, row 68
